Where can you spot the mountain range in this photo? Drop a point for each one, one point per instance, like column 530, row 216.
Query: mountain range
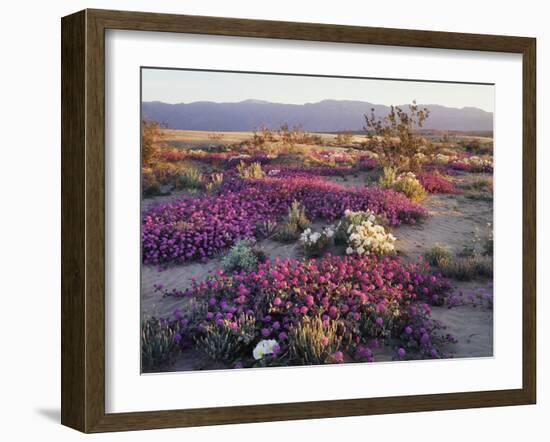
column 323, row 116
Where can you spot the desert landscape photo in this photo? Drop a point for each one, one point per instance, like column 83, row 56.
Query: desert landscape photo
column 293, row 220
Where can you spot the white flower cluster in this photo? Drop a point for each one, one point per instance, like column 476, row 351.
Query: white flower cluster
column 263, row 348
column 477, row 161
column 406, row 177
column 273, row 172
column 310, row 238
column 368, row 237
column 443, row 159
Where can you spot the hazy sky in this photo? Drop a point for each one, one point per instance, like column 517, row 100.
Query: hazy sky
column 180, row 86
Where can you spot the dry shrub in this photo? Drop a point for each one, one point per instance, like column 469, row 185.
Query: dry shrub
column 395, row 137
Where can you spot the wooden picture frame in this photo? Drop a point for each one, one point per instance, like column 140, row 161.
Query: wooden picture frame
column 83, row 219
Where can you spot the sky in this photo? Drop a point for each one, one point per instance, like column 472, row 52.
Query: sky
column 185, row 86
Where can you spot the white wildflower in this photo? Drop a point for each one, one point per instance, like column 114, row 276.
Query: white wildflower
column 263, row 348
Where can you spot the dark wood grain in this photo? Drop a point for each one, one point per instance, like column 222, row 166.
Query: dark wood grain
column 83, row 219
column 73, row 254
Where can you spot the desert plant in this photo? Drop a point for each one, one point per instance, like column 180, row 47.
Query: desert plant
column 344, row 138
column 480, row 189
column 478, row 195
column 365, row 236
column 261, row 136
column 480, row 184
column 215, row 181
column 315, row 243
column 468, row 268
column 149, row 183
column 297, row 216
column 476, row 147
column 225, row 340
column 409, row 185
column 265, row 228
column 313, row 342
column 438, row 255
column 394, row 137
column 159, row 342
column 151, row 135
column 388, row 177
column 352, row 218
column 219, row 343
column 190, row 178
column 287, row 233
column 243, row 255
column 441, row 159
column 250, row 171
column 295, row 224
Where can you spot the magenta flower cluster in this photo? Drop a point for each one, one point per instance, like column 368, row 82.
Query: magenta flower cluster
column 198, row 228
column 366, row 163
column 461, row 166
column 374, row 301
column 435, row 183
column 286, row 170
column 327, row 200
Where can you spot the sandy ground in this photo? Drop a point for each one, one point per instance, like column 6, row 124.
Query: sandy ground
column 452, row 221
column 225, row 137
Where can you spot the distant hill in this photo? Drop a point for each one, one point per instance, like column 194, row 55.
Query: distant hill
column 324, row 116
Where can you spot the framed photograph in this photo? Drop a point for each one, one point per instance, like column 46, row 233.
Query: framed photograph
column 266, row 220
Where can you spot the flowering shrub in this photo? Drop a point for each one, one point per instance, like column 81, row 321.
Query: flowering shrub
column 315, row 243
column 408, row 184
column 435, row 183
column 473, row 164
column 365, row 236
column 354, row 218
column 365, row 298
column 442, row 160
column 198, row 228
